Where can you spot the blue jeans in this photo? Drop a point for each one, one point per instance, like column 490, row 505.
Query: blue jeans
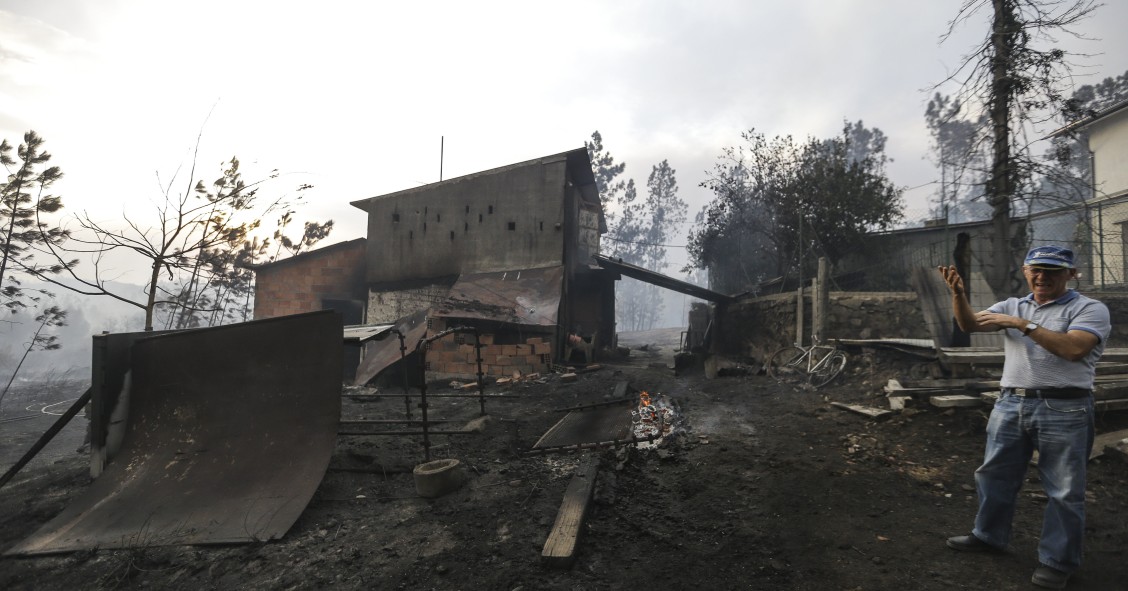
column 1062, row 432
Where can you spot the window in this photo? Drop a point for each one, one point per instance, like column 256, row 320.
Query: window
column 395, row 218
column 512, row 225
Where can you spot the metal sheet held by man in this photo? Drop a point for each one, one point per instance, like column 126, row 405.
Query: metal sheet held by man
column 230, row 432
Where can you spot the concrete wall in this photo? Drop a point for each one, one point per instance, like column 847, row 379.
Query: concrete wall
column 305, row 282
column 506, row 218
column 1110, row 241
column 754, row 328
column 887, row 263
column 1108, row 140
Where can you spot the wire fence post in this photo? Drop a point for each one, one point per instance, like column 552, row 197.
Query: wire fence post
column 799, row 316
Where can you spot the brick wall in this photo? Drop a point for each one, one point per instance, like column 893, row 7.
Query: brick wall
column 454, row 355
column 301, row 283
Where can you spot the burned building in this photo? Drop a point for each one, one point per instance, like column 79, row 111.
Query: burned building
column 506, row 251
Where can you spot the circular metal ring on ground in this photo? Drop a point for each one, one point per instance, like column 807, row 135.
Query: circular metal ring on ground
column 437, row 478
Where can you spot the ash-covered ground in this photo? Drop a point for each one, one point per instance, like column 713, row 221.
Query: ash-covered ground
column 767, row 487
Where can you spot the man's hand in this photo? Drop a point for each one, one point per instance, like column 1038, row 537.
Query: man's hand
column 961, row 308
column 995, row 321
column 953, row 279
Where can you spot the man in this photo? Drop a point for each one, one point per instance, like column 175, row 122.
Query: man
column 1053, row 338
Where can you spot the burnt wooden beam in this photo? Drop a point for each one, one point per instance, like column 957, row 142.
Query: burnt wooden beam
column 877, row 414
column 560, row 547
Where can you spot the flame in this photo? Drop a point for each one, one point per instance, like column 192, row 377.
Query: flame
column 643, row 399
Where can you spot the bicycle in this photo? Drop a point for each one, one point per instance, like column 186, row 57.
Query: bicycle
column 821, row 363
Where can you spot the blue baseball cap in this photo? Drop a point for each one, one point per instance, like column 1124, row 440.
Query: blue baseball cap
column 1049, row 256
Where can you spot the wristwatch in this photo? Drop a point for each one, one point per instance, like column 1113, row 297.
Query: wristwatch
column 1029, row 329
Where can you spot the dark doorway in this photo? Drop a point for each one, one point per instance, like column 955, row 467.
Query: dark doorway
column 352, row 313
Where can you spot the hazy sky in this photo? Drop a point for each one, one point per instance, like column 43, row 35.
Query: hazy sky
column 353, row 97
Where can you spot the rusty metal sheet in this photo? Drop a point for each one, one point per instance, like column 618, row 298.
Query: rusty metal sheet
column 526, row 296
column 230, row 432
column 595, row 425
column 362, row 333
column 381, row 355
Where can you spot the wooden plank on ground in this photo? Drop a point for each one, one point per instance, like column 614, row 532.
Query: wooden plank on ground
column 1105, row 440
column 950, row 400
column 560, row 548
column 1106, row 390
column 1118, row 450
column 869, row 411
column 994, row 356
column 1106, row 405
column 898, row 402
column 1111, row 367
column 971, row 355
column 945, row 383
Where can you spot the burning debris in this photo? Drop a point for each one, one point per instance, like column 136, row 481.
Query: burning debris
column 656, row 418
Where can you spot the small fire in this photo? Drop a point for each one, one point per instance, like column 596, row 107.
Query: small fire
column 655, row 418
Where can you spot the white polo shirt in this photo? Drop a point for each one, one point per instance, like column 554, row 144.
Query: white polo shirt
column 1028, row 365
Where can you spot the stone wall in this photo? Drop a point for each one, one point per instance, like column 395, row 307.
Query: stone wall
column 386, row 306
column 754, row 328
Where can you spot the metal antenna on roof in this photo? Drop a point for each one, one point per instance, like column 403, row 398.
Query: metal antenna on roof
column 441, row 138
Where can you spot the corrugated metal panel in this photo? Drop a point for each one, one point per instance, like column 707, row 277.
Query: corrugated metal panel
column 367, row 332
column 527, row 296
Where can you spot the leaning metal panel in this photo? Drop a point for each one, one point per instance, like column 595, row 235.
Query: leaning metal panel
column 229, row 434
column 596, row 425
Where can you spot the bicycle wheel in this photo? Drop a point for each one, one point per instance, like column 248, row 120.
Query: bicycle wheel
column 828, row 368
column 787, row 363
